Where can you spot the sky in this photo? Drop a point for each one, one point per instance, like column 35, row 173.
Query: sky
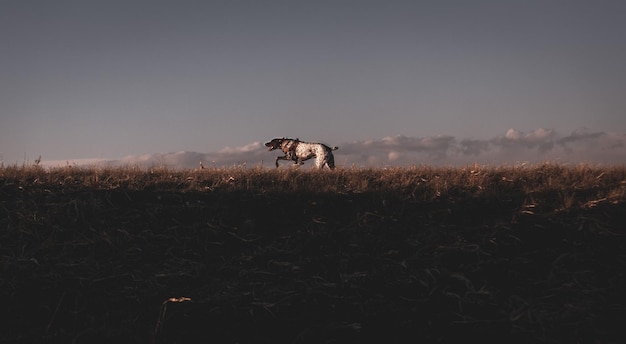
column 389, row 82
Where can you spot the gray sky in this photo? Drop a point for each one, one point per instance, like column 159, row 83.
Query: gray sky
column 109, row 79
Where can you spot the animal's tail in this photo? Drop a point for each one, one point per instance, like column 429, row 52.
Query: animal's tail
column 334, row 148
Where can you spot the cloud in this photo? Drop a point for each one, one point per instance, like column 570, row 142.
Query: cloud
column 514, row 146
column 403, row 143
column 595, row 146
column 395, row 150
column 541, row 138
column 243, row 149
column 252, row 153
column 580, row 135
column 393, row 156
column 473, row 147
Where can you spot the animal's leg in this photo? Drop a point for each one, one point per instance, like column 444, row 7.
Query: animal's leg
column 319, row 163
column 330, row 161
column 292, row 157
column 281, row 158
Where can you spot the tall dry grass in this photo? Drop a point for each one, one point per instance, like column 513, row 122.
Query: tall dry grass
column 550, row 186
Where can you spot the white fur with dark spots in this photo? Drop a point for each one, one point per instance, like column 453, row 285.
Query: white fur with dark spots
column 300, row 151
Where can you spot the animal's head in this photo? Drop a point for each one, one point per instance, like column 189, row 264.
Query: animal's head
column 274, row 144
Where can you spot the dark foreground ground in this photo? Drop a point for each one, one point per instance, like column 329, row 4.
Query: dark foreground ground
column 85, row 265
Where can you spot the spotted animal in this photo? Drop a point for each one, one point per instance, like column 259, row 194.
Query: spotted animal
column 300, row 151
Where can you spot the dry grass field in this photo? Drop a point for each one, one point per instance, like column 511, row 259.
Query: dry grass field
column 517, row 254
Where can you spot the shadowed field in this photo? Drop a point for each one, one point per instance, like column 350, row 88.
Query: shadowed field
column 498, row 254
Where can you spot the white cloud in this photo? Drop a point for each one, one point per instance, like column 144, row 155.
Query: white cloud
column 243, row 149
column 540, row 134
column 513, row 134
column 540, row 145
column 393, row 156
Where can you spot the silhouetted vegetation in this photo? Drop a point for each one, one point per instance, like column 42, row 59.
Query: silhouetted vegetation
column 517, row 254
